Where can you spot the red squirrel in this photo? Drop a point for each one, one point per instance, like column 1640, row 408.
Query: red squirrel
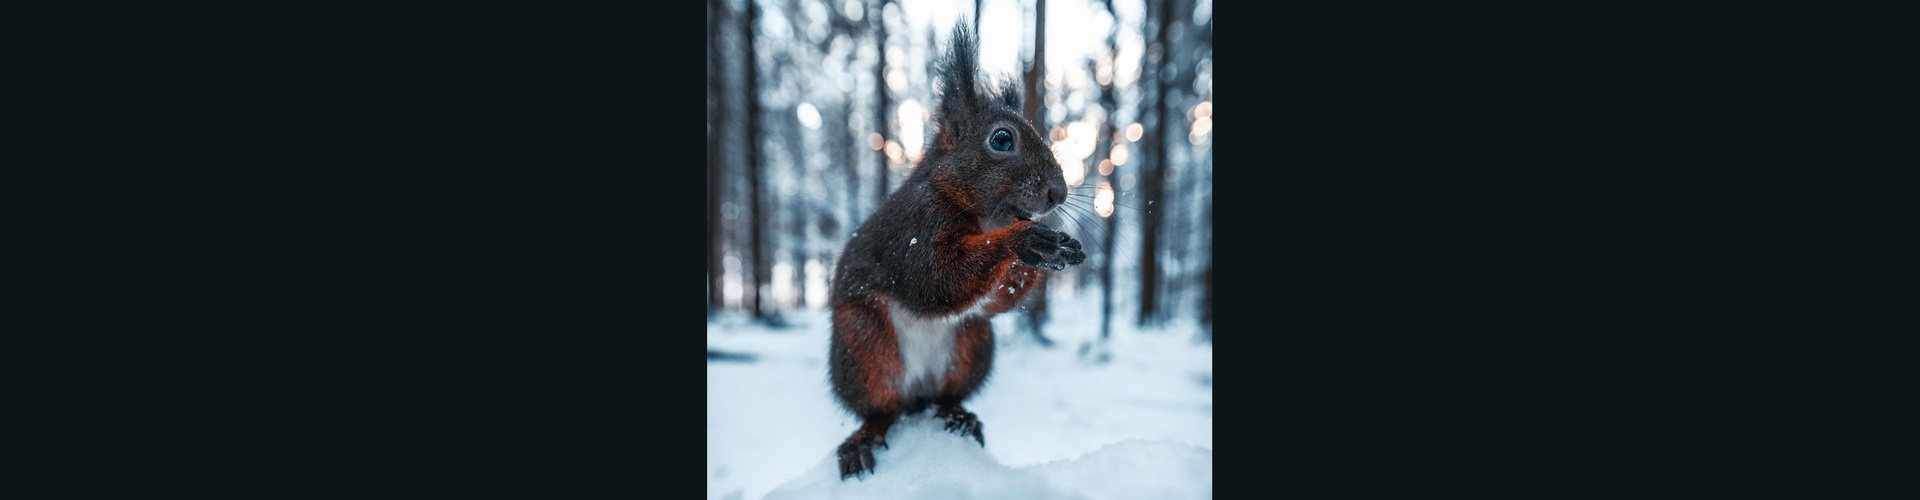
column 954, row 245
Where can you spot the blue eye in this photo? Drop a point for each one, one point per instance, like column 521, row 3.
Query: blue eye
column 1001, row 140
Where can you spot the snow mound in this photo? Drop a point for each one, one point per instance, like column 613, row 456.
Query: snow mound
column 923, row 460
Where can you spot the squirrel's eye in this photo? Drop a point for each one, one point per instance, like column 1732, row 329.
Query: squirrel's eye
column 1001, row 140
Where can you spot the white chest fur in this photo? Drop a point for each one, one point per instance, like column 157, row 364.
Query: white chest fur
column 926, row 346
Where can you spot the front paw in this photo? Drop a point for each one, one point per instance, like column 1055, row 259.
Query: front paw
column 1042, row 246
column 962, row 422
column 856, row 453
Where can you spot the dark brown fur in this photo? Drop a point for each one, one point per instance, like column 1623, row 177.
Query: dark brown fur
column 958, row 229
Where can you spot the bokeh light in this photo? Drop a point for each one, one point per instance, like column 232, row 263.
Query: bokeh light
column 1074, row 170
column 1103, row 199
column 809, row 116
column 1072, row 146
column 912, row 118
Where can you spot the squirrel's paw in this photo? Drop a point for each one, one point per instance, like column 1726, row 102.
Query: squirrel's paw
column 1044, row 247
column 962, row 422
column 856, row 454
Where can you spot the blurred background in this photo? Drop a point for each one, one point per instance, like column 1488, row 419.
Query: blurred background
column 816, row 109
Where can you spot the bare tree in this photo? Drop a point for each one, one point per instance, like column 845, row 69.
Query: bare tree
column 885, row 103
column 1181, row 237
column 1036, row 69
column 1109, row 102
column 842, row 122
column 1206, row 277
column 1153, row 171
column 1206, row 284
column 716, row 127
column 796, row 208
column 1036, row 302
column 762, row 261
column 844, row 143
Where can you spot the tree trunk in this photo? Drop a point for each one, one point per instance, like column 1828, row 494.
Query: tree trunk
column 885, row 102
column 1206, row 286
column 1037, row 71
column 1153, row 181
column 1109, row 103
column 716, row 129
column 799, row 209
column 1103, row 151
column 1206, row 278
column 1036, row 308
column 1183, row 233
column 844, row 128
column 762, row 265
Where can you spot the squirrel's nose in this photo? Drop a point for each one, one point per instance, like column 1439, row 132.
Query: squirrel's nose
column 1056, row 195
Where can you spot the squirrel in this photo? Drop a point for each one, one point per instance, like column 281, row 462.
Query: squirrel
column 954, row 245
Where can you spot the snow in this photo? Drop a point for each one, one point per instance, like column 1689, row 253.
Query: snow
column 1057, row 425
column 911, row 242
column 923, row 460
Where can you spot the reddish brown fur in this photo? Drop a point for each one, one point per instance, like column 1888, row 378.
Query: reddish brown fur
column 867, row 333
column 972, row 360
column 1014, row 286
column 955, row 234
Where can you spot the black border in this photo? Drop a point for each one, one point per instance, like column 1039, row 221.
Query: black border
column 439, row 258
column 1456, row 249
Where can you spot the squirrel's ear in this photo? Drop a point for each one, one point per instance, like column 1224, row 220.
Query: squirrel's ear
column 1010, row 94
column 959, row 93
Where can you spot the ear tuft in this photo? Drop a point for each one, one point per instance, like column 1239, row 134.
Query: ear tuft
column 959, row 95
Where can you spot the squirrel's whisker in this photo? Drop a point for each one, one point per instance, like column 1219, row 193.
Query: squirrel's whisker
column 1081, row 225
column 1092, row 197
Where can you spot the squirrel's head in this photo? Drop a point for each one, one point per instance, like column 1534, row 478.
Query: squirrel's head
column 1002, row 165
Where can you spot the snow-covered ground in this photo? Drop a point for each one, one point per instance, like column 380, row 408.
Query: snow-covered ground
column 1057, row 424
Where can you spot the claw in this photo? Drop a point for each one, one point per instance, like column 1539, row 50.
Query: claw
column 964, row 423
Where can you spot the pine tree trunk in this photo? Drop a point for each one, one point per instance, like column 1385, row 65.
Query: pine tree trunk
column 1206, row 285
column 717, row 126
column 1206, row 277
column 850, row 172
column 1153, row 181
column 1111, row 104
column 1036, row 307
column 762, row 265
column 1103, row 151
column 1037, row 71
column 885, row 102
